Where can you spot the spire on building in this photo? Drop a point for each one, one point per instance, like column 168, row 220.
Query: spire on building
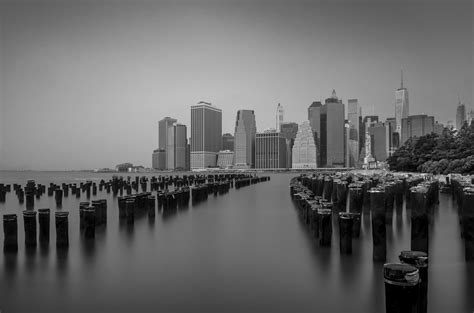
column 334, row 94
column 401, row 80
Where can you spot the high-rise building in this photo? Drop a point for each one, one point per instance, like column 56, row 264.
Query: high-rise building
column 177, row 146
column 225, row 159
column 401, row 106
column 279, row 116
column 206, row 135
column 460, row 115
column 270, row 150
column 327, row 122
column 163, row 127
column 158, row 159
column 394, row 137
column 470, row 117
column 289, row 131
column 228, row 142
column 379, row 140
column 363, row 129
column 244, row 144
column 332, row 139
column 354, row 118
column 314, row 118
column 416, row 126
column 304, row 148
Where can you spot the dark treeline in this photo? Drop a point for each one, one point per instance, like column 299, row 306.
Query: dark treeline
column 450, row 152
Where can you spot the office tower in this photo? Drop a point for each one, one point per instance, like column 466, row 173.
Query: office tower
column 416, row 126
column 289, row 131
column 270, row 150
column 438, row 128
column 394, row 137
column 304, row 148
column 314, row 118
column 228, row 142
column 225, row 159
column 206, row 135
column 163, row 127
column 188, row 155
column 244, row 144
column 368, row 158
column 379, row 141
column 327, row 122
column 176, row 148
column 450, row 124
column 158, row 159
column 279, row 116
column 352, row 138
column 401, row 106
column 470, row 117
column 332, row 127
column 460, row 115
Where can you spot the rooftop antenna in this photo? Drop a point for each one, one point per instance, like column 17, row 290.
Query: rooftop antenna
column 401, row 81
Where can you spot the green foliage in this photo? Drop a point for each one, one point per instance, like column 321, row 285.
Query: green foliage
column 450, row 152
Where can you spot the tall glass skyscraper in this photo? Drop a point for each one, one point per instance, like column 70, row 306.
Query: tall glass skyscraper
column 401, row 106
column 244, row 142
column 270, row 150
column 460, row 115
column 177, row 146
column 163, row 127
column 206, row 135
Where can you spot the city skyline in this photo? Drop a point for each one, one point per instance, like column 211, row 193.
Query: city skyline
column 99, row 77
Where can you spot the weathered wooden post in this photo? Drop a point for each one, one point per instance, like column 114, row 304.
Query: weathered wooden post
column 345, row 233
column 401, row 288
column 29, row 223
column 419, row 220
column 377, row 207
column 44, row 218
column 10, row 231
column 62, row 229
column 419, row 260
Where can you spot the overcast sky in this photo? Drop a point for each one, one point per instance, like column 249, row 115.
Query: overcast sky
column 83, row 84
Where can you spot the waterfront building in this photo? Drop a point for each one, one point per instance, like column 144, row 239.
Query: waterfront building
column 416, row 126
column 366, row 122
column 225, row 159
column 394, row 137
column 304, row 148
column 163, row 127
column 176, row 148
column 124, row 167
column 279, row 116
column 270, row 151
column 228, row 142
column 460, row 115
column 245, row 130
column 206, row 135
column 158, row 160
column 328, row 121
column 379, row 141
column 289, row 131
column 401, row 106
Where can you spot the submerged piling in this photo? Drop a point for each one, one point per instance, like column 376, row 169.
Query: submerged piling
column 44, row 218
column 62, row 229
column 401, row 288
column 377, row 207
column 10, row 231
column 29, row 223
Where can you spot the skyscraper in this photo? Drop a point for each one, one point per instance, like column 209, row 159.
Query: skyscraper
column 279, row 117
column 304, row 148
column 332, row 140
column 353, row 114
column 270, row 150
column 289, row 131
column 379, row 141
column 460, row 115
column 401, row 106
column 327, row 121
column 177, row 146
column 163, row 127
column 416, row 126
column 206, row 135
column 158, row 159
column 244, row 143
column 228, row 141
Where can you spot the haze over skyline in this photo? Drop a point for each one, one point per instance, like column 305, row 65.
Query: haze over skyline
column 83, row 85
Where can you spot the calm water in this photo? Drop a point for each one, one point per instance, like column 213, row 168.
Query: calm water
column 245, row 251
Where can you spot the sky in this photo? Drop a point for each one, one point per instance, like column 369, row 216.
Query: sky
column 83, row 84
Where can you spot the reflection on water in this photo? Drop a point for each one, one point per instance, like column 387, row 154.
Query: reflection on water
column 246, row 250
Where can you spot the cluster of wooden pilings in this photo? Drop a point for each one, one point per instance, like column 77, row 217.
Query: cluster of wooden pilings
column 167, row 193
column 462, row 188
column 347, row 197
